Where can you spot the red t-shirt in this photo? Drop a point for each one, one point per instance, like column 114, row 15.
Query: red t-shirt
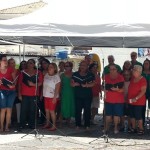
column 134, row 89
column 96, row 89
column 7, row 75
column 29, row 90
column 113, row 96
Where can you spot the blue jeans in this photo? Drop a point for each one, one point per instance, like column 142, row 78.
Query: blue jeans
column 7, row 98
column 114, row 109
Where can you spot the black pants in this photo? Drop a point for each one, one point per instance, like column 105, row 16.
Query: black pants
column 143, row 114
column 28, row 108
column 84, row 103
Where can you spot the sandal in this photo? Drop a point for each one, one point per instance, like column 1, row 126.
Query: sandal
column 45, row 126
column 131, row 130
column 52, row 129
column 140, row 132
column 1, row 130
column 7, row 130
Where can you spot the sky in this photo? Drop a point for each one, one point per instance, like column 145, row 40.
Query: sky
column 87, row 11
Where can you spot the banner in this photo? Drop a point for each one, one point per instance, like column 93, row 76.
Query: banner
column 143, row 52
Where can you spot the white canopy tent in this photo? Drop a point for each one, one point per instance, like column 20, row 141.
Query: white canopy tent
column 99, row 23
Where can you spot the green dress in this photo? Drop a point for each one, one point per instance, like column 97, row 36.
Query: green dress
column 147, row 77
column 67, row 97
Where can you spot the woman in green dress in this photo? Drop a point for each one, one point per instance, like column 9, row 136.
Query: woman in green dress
column 67, row 93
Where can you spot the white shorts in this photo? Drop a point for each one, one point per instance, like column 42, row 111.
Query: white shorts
column 95, row 102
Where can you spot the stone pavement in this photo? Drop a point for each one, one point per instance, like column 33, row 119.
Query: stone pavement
column 68, row 138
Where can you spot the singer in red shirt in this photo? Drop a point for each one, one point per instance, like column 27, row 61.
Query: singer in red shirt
column 114, row 97
column 28, row 94
column 7, row 92
column 137, row 98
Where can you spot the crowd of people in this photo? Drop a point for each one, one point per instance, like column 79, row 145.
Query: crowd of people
column 61, row 94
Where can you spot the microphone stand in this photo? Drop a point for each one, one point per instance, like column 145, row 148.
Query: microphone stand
column 35, row 130
column 105, row 133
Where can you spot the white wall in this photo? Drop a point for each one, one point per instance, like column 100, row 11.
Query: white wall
column 120, row 54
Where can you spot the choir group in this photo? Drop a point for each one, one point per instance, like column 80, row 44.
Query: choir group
column 61, row 94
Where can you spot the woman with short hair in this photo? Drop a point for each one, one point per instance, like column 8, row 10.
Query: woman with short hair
column 51, row 90
column 7, row 92
column 83, row 81
column 67, row 93
column 137, row 98
column 114, row 97
column 30, row 79
column 15, row 111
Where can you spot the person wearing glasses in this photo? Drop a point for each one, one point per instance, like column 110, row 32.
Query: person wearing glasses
column 137, row 99
column 7, row 92
column 51, row 91
column 83, row 81
column 28, row 93
column 67, row 93
column 134, row 59
column 114, row 98
column 15, row 111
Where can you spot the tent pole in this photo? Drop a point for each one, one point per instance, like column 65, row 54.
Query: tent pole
column 23, row 51
column 19, row 54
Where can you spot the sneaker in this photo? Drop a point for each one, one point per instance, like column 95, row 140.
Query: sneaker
column 140, row 132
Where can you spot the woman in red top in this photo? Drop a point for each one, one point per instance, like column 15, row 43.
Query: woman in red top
column 12, row 64
column 7, row 92
column 28, row 93
column 136, row 98
column 114, row 97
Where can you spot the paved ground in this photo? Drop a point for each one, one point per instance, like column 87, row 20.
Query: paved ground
column 68, row 138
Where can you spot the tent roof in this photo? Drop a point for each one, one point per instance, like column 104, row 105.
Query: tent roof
column 78, row 41
column 110, row 23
